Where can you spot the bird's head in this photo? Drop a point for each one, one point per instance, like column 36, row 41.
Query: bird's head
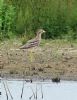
column 40, row 31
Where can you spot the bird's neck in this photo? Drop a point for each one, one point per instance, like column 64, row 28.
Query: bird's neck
column 38, row 37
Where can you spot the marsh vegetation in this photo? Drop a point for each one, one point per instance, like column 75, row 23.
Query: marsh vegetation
column 22, row 18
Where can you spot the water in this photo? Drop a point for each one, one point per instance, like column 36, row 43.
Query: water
column 65, row 90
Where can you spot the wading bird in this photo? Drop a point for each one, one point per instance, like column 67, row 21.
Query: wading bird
column 34, row 42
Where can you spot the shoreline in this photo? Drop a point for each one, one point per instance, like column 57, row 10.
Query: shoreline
column 54, row 59
column 35, row 79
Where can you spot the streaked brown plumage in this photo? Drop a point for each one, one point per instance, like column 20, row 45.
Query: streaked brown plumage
column 34, row 42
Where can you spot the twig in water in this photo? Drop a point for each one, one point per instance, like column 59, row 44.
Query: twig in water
column 35, row 97
column 22, row 89
column 41, row 91
column 36, row 92
column 32, row 95
column 5, row 90
column 9, row 91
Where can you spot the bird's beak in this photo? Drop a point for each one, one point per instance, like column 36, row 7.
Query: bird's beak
column 44, row 31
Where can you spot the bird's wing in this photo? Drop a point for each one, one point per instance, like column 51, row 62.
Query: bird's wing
column 32, row 40
column 30, row 43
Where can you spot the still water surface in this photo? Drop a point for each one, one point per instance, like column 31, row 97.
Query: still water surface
column 65, row 90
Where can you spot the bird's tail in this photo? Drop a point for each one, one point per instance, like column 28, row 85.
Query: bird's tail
column 24, row 47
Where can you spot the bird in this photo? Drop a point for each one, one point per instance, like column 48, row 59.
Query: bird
column 34, row 42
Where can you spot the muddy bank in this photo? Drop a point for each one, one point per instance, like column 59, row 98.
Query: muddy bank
column 41, row 62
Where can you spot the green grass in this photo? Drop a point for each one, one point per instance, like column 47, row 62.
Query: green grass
column 59, row 43
column 54, row 44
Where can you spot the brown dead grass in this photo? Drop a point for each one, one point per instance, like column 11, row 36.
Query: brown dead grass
column 51, row 59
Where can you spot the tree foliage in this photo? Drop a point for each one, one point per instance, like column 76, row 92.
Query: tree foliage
column 57, row 17
column 7, row 18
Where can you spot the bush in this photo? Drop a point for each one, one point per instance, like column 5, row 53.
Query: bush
column 7, row 18
column 55, row 16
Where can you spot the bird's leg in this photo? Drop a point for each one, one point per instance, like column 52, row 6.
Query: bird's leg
column 31, row 56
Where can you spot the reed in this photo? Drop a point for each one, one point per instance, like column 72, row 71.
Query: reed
column 36, row 92
column 23, row 84
column 5, row 90
column 9, row 91
column 41, row 91
column 32, row 95
column 22, row 89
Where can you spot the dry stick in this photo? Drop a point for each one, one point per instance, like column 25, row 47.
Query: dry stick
column 33, row 94
column 23, row 84
column 5, row 90
column 9, row 91
column 22, row 89
column 30, row 97
column 41, row 91
column 36, row 92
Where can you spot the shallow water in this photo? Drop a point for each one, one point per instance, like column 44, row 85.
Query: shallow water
column 65, row 90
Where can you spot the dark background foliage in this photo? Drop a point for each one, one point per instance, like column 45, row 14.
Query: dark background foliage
column 57, row 17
